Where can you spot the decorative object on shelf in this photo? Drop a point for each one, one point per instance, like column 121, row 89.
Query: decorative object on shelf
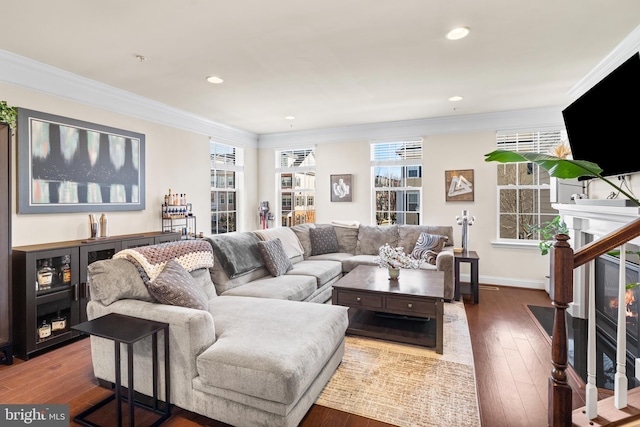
column 67, row 165
column 459, row 185
column 8, row 114
column 93, row 226
column 104, row 224
column 394, row 259
column 341, row 188
column 44, row 331
column 58, row 323
column 45, row 276
column 465, row 220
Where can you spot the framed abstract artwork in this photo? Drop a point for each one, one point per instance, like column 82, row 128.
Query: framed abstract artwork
column 67, row 165
column 459, row 185
column 341, row 188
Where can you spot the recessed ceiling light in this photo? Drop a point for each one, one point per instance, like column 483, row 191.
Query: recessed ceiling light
column 214, row 79
column 458, row 33
column 455, row 98
column 289, row 117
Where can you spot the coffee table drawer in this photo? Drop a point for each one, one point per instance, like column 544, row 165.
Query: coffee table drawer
column 423, row 308
column 359, row 299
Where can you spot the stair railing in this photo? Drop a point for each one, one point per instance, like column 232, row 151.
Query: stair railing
column 563, row 263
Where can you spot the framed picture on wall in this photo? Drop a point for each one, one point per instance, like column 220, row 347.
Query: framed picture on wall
column 67, row 165
column 341, row 188
column 459, row 185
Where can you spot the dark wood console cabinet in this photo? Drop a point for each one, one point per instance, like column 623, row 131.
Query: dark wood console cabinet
column 50, row 284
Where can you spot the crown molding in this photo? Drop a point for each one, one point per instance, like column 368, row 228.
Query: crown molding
column 529, row 119
column 623, row 51
column 24, row 72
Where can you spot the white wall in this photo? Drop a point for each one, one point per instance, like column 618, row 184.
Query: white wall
column 175, row 159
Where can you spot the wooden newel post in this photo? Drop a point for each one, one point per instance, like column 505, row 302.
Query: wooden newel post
column 560, row 400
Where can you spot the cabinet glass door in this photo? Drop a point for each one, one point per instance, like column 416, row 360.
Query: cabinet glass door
column 89, row 254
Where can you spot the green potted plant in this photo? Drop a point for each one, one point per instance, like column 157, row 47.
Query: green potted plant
column 8, row 114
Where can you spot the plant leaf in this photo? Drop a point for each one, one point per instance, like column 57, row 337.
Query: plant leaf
column 557, row 167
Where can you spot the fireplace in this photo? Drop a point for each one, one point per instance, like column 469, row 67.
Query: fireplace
column 607, row 304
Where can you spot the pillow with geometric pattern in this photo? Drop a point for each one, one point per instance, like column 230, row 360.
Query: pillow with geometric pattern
column 428, row 247
column 175, row 286
column 274, row 256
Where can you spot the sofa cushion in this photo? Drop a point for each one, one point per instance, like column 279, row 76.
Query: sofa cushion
column 347, row 239
column 278, row 359
column 356, row 260
column 323, row 240
column 202, row 277
column 371, row 237
column 323, row 271
column 294, row 288
column 302, row 233
column 115, row 279
column 175, row 286
column 274, row 257
column 290, row 242
column 408, row 234
column 428, row 247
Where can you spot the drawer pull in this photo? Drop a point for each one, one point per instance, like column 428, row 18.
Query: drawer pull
column 358, row 299
column 410, row 305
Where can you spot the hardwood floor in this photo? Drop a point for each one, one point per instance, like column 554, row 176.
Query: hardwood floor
column 512, row 364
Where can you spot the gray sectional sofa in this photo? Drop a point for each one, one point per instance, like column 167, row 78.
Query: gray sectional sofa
column 355, row 245
column 260, row 354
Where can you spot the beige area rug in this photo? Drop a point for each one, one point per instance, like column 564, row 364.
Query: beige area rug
column 409, row 385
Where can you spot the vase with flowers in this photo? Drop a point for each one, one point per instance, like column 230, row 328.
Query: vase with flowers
column 394, row 259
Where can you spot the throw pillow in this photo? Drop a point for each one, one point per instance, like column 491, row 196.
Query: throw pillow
column 274, row 257
column 324, row 240
column 175, row 286
column 428, row 247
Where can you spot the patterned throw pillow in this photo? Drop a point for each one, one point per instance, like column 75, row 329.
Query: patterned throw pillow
column 175, row 286
column 428, row 247
column 274, row 257
column 324, row 240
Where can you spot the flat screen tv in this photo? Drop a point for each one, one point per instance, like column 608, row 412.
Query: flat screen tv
column 603, row 123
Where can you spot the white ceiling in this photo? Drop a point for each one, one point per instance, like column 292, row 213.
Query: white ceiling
column 329, row 63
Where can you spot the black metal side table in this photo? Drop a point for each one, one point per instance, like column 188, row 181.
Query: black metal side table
column 128, row 330
column 473, row 259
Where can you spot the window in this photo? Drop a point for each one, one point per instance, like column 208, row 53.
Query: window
column 396, row 169
column 226, row 170
column 296, row 170
column 523, row 188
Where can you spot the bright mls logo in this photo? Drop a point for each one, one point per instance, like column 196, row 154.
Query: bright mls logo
column 34, row 415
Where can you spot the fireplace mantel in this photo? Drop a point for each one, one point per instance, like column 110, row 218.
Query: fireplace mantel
column 594, row 220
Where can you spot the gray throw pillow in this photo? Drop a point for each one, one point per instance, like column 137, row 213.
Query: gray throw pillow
column 323, row 240
column 274, row 256
column 175, row 286
column 428, row 247
column 111, row 280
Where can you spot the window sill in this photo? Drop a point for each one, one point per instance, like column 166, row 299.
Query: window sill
column 516, row 244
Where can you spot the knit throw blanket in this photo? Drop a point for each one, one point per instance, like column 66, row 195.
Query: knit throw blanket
column 150, row 260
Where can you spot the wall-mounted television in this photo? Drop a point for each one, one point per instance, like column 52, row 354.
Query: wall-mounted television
column 603, row 125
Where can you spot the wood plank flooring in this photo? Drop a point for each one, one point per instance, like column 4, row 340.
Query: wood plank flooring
column 512, row 363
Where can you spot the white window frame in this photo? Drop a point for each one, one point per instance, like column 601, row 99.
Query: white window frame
column 221, row 160
column 525, row 141
column 387, row 157
column 309, row 165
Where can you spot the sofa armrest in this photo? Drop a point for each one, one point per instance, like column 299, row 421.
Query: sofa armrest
column 444, row 262
column 191, row 332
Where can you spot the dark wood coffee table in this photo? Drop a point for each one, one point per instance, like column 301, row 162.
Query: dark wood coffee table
column 407, row 310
